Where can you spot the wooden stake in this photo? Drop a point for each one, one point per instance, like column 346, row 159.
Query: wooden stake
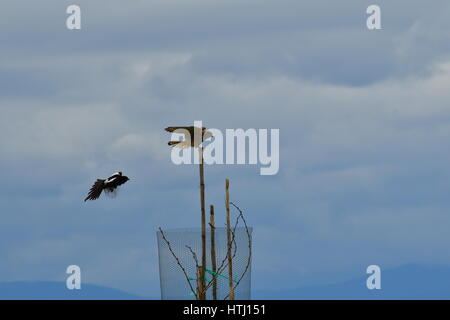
column 230, row 260
column 202, row 203
column 200, row 283
column 212, row 225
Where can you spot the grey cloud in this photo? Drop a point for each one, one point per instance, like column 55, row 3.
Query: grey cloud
column 363, row 119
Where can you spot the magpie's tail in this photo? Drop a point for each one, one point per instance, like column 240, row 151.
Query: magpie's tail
column 96, row 190
column 173, row 143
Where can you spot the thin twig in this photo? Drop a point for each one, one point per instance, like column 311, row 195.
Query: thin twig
column 194, row 255
column 213, row 250
column 223, row 265
column 233, row 239
column 249, row 247
column 178, row 261
column 200, row 274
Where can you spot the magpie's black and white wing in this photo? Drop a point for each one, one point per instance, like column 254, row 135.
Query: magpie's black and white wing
column 112, row 183
column 96, row 190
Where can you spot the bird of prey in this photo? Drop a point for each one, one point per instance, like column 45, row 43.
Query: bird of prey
column 193, row 136
column 108, row 185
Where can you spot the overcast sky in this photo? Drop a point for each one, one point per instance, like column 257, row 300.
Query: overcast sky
column 364, row 119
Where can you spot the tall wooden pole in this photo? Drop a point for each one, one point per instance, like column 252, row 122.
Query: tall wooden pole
column 230, row 260
column 202, row 203
column 200, row 285
column 212, row 224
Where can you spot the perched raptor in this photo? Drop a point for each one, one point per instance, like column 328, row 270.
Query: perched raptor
column 193, row 136
column 107, row 185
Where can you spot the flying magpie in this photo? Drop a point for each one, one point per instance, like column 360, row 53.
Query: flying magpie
column 193, row 136
column 108, row 185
